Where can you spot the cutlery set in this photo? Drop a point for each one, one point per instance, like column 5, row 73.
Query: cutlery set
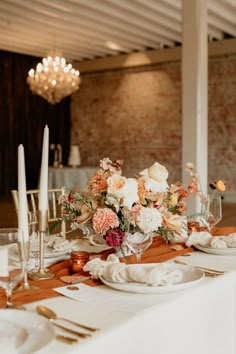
column 52, row 316
column 207, row 271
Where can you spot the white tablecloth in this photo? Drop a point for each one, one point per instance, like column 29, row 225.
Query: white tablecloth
column 69, row 177
column 197, row 320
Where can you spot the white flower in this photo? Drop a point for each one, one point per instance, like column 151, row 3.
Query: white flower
column 155, row 178
column 111, row 200
column 189, row 167
column 149, row 219
column 124, row 190
column 105, row 163
column 131, row 193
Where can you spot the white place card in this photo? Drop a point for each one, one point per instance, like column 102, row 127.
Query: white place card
column 114, row 300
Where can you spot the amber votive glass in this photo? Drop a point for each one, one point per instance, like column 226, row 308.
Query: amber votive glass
column 78, row 259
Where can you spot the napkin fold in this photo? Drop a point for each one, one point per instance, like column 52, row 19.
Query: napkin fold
column 204, row 238
column 58, row 243
column 114, row 271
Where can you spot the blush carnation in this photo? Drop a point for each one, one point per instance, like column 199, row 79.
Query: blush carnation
column 103, row 220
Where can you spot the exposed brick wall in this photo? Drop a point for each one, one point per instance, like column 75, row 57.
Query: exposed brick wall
column 222, row 120
column 135, row 114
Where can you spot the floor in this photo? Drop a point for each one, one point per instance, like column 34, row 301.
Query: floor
column 8, row 215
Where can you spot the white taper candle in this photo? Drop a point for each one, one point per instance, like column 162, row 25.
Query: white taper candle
column 23, row 206
column 43, row 189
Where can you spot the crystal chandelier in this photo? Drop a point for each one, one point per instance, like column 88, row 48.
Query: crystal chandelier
column 53, row 79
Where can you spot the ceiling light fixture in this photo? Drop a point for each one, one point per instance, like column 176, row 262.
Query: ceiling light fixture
column 53, row 79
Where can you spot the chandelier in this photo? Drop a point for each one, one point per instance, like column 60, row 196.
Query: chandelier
column 53, row 79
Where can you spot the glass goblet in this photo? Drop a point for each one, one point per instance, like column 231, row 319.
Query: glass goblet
column 138, row 243
column 213, row 211
column 11, row 269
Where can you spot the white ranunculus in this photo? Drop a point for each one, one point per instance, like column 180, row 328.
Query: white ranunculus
column 149, row 219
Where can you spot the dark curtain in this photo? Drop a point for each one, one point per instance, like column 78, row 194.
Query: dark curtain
column 23, row 118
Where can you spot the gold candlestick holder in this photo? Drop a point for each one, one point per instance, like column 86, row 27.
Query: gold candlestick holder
column 42, row 273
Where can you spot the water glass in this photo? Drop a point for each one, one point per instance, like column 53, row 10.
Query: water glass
column 11, row 268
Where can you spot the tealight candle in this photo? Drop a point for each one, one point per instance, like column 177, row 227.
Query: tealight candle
column 78, row 260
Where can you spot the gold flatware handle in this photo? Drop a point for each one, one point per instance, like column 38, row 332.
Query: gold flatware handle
column 78, row 324
column 212, row 275
column 220, row 272
column 65, row 339
column 178, row 261
column 69, row 330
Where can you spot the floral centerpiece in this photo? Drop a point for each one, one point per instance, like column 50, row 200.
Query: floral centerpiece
column 113, row 204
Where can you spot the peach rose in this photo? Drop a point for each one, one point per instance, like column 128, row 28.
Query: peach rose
column 220, row 186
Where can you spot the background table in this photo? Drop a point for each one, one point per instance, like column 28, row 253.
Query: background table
column 69, row 177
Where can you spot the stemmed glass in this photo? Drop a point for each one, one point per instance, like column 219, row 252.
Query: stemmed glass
column 11, row 269
column 31, row 247
column 213, row 211
column 34, row 238
column 138, row 243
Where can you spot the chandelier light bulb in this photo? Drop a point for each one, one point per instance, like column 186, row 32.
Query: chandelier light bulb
column 53, row 79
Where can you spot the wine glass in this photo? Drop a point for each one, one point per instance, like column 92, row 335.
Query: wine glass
column 213, row 211
column 11, row 268
column 138, row 243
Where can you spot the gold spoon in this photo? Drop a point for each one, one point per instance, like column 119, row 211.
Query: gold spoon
column 51, row 315
column 207, row 270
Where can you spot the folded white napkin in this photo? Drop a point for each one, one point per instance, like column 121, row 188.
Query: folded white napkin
column 114, row 271
column 204, row 238
column 58, row 243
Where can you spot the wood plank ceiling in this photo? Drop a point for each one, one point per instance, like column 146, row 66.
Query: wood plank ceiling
column 88, row 29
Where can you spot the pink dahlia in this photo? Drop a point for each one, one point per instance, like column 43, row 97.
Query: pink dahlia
column 103, row 220
column 114, row 237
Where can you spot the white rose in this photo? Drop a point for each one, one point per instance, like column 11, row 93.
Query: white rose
column 125, row 190
column 155, row 178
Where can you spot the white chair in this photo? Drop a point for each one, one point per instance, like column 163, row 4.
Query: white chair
column 53, row 207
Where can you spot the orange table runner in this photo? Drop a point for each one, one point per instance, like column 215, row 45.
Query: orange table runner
column 159, row 251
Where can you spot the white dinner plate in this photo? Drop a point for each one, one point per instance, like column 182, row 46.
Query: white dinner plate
column 219, row 251
column 48, row 252
column 191, row 276
column 23, row 332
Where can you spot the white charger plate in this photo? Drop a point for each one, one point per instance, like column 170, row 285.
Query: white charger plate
column 191, row 276
column 218, row 251
column 26, row 332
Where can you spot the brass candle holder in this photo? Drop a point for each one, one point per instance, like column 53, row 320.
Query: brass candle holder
column 42, row 273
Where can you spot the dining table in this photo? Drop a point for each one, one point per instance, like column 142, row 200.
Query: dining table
column 199, row 318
